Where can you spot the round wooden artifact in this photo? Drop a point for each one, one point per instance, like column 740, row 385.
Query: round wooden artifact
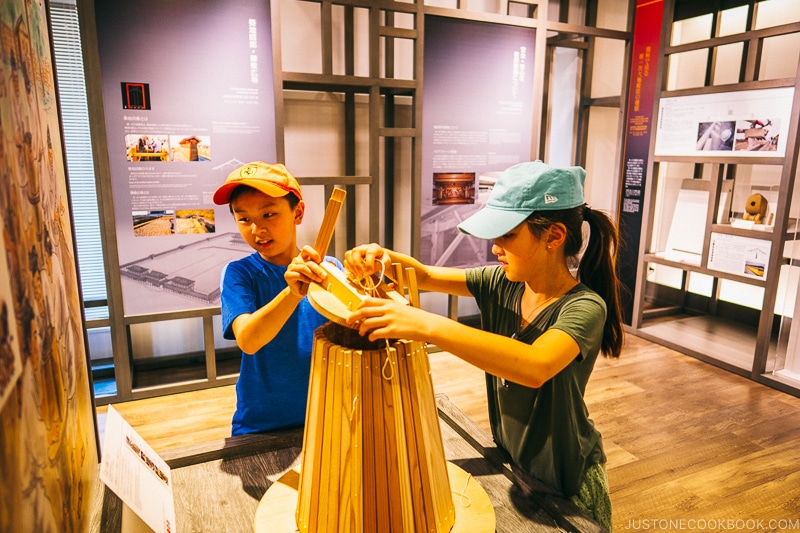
column 339, row 296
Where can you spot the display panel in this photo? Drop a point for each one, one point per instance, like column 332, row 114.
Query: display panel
column 477, row 121
column 188, row 96
column 733, row 124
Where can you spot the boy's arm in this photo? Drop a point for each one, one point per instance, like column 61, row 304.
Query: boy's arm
column 254, row 330
column 367, row 259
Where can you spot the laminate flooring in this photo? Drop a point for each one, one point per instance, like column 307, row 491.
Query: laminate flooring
column 690, row 447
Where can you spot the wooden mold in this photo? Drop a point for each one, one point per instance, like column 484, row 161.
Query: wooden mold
column 373, row 457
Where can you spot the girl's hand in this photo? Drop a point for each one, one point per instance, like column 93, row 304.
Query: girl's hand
column 304, row 269
column 385, row 319
column 365, row 260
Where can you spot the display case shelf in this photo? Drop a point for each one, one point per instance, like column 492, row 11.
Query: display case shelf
column 716, row 340
column 681, row 265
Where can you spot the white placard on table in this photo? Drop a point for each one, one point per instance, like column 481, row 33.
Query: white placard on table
column 137, row 475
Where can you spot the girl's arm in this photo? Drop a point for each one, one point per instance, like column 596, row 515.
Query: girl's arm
column 504, row 357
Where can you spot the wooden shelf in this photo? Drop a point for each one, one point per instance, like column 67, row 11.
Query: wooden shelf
column 653, row 258
column 735, row 336
column 722, row 342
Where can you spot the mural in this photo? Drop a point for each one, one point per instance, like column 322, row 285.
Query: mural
column 48, row 450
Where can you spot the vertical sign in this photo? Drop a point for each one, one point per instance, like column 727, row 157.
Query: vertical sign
column 477, row 121
column 188, row 96
column 641, row 99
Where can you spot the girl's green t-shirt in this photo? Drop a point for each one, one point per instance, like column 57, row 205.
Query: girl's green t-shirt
column 546, row 431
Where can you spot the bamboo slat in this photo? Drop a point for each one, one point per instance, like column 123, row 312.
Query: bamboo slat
column 413, row 288
column 328, row 224
column 314, row 427
column 368, row 442
column 399, row 281
column 379, row 442
column 356, row 424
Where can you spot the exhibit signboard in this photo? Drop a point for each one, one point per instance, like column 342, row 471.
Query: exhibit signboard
column 638, row 131
column 188, row 96
column 744, row 256
column 133, row 470
column 477, row 121
column 733, row 124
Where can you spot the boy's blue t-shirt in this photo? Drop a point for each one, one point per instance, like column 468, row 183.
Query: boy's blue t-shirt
column 272, row 388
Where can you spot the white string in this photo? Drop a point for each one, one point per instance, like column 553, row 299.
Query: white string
column 383, row 370
column 371, row 287
column 466, row 501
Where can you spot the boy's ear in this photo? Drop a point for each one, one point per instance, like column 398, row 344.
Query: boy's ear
column 299, row 212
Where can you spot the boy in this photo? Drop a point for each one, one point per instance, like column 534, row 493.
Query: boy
column 262, row 298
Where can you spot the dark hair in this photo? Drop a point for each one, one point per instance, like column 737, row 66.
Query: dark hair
column 236, row 192
column 596, row 267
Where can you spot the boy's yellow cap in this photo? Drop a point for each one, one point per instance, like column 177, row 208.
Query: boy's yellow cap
column 271, row 179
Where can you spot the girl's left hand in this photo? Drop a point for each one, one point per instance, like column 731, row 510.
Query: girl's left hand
column 385, row 319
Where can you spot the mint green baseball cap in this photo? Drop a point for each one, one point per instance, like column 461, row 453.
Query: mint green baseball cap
column 522, row 189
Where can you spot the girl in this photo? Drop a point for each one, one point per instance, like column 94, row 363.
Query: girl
column 541, row 326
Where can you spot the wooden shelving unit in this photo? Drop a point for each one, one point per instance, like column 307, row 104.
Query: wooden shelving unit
column 740, row 336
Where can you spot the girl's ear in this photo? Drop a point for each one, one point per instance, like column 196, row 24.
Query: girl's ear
column 556, row 235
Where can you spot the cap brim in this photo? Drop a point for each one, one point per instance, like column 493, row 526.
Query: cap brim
column 490, row 223
column 222, row 195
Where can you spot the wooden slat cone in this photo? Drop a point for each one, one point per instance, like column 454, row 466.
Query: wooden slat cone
column 373, row 457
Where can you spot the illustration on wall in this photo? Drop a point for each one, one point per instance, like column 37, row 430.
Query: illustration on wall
column 48, row 452
column 10, row 360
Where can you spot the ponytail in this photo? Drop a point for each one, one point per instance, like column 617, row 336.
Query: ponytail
column 598, row 271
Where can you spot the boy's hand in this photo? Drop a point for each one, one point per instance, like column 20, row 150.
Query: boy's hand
column 304, row 269
column 365, row 260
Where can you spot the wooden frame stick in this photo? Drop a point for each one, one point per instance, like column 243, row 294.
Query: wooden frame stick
column 413, row 288
column 329, row 221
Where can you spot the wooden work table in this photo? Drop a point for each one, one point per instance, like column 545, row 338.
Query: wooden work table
column 218, row 485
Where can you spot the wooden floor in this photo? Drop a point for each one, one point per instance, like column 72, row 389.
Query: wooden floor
column 690, row 447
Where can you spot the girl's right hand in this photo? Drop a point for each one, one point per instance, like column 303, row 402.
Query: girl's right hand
column 365, row 260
